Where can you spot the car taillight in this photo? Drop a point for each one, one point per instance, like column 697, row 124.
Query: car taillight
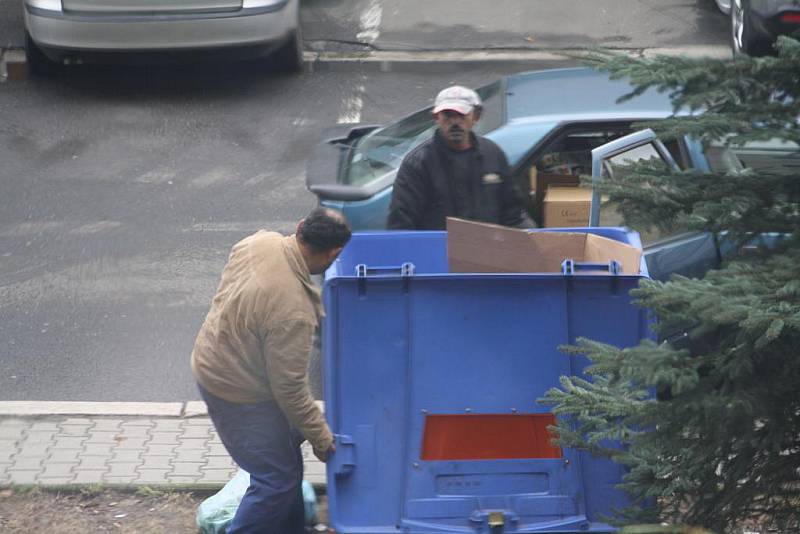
column 488, row 437
column 790, row 18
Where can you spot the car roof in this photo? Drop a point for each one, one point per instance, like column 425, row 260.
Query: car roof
column 577, row 94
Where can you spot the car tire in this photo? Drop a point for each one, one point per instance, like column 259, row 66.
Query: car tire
column 289, row 57
column 38, row 63
column 744, row 39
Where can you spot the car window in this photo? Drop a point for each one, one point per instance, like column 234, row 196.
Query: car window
column 493, row 115
column 382, row 150
column 722, row 159
column 768, row 155
column 619, row 165
column 677, row 149
column 572, row 152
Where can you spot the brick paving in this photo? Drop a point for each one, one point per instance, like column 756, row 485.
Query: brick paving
column 62, row 450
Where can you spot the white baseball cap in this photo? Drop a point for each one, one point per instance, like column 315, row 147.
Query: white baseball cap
column 456, row 98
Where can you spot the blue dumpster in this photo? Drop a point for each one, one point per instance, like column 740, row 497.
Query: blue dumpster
column 431, row 387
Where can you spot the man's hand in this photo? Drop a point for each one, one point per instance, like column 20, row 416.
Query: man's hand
column 321, row 455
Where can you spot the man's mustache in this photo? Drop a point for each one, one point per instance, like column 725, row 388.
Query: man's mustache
column 456, row 129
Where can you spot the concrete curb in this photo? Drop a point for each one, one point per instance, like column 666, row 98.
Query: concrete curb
column 458, row 60
column 129, row 409
column 455, row 60
column 207, row 487
column 504, row 55
column 143, row 409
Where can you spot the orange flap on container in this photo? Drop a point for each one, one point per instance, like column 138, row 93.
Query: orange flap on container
column 488, row 437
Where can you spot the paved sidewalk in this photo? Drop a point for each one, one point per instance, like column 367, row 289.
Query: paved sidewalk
column 113, row 450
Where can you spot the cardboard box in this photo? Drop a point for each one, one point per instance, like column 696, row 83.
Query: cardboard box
column 541, row 181
column 566, row 206
column 474, row 247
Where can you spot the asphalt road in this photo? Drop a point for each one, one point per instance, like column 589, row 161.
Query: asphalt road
column 123, row 188
column 511, row 24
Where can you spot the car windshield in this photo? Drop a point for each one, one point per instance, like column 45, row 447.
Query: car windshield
column 382, row 150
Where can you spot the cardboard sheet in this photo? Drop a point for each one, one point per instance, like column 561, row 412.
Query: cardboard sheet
column 474, row 247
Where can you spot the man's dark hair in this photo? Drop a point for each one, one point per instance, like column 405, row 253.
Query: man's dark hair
column 324, row 229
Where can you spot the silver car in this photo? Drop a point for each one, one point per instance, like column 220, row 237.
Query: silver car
column 76, row 30
column 756, row 24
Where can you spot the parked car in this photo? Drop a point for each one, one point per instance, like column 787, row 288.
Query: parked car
column 756, row 24
column 548, row 123
column 68, row 31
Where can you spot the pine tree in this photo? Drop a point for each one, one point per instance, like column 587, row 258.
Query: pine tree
column 721, row 444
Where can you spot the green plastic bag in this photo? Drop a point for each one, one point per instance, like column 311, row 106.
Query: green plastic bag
column 216, row 513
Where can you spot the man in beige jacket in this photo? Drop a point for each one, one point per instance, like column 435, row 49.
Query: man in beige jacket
column 250, row 360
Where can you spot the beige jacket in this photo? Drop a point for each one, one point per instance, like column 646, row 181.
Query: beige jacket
column 255, row 342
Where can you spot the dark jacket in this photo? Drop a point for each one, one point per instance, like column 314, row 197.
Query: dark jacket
column 425, row 191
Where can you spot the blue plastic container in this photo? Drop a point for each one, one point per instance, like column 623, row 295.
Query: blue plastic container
column 405, row 346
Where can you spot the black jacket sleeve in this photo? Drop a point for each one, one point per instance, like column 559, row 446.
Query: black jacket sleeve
column 409, row 197
column 512, row 212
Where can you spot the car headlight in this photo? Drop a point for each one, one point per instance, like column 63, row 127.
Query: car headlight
column 260, row 3
column 50, row 5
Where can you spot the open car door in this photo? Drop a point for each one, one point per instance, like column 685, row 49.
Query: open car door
column 686, row 253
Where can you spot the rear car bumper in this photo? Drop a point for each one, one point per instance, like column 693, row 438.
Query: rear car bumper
column 54, row 30
column 767, row 18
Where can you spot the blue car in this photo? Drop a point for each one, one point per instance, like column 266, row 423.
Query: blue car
column 554, row 126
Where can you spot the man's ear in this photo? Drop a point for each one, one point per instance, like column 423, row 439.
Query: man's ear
column 476, row 113
column 299, row 225
column 333, row 253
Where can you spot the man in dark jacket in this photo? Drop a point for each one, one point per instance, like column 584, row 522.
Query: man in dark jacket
column 455, row 173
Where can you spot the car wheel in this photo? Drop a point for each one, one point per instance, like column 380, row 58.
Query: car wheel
column 744, row 40
column 38, row 63
column 289, row 57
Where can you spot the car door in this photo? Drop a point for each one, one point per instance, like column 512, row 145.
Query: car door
column 688, row 253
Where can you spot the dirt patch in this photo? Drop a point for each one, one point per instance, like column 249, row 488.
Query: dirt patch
column 104, row 510
column 98, row 510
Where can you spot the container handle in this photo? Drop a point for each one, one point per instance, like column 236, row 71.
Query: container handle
column 405, row 270
column 570, row 267
column 343, row 461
